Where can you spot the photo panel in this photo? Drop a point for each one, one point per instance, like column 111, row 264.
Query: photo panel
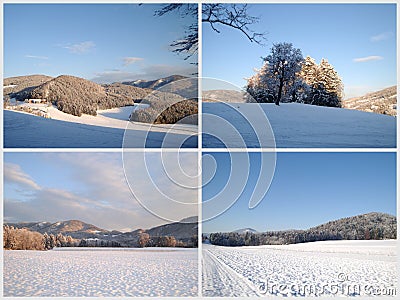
column 319, row 81
column 93, row 224
column 326, row 225
column 100, row 76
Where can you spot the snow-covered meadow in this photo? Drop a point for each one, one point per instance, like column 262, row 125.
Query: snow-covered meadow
column 101, row 272
column 329, row 268
column 296, row 125
column 106, row 130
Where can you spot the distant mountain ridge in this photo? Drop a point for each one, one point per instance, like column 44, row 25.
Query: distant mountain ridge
column 80, row 230
column 156, row 83
column 381, row 102
column 373, row 225
column 186, row 87
column 244, row 230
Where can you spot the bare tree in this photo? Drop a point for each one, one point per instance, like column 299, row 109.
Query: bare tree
column 232, row 15
column 143, row 240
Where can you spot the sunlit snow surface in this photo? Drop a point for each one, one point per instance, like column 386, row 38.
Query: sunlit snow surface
column 101, row 272
column 297, row 125
column 332, row 268
column 106, row 130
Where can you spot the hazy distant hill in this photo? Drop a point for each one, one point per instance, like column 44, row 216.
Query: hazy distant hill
column 186, row 87
column 382, row 102
column 22, row 85
column 154, row 84
column 183, row 232
column 224, row 96
column 373, row 225
column 244, row 230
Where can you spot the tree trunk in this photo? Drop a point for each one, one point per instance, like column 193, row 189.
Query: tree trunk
column 279, row 92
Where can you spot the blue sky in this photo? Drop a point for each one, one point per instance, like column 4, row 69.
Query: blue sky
column 104, row 42
column 359, row 40
column 308, row 189
column 90, row 187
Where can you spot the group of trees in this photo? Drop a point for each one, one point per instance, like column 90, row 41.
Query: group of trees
column 24, row 239
column 286, row 76
column 167, row 112
column 145, row 240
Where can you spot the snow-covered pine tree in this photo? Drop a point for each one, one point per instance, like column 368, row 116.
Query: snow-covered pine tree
column 309, row 70
column 330, row 80
column 326, row 88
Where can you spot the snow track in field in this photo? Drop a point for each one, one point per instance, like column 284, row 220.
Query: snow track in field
column 332, row 268
column 219, row 280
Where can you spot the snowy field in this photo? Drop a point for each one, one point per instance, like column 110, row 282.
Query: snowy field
column 101, row 272
column 331, row 268
column 299, row 125
column 106, row 130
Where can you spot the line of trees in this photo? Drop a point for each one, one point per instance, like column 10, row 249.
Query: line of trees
column 24, row 239
column 295, row 237
column 145, row 240
column 287, row 77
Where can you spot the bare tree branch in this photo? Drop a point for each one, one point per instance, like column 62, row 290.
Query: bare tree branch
column 232, row 15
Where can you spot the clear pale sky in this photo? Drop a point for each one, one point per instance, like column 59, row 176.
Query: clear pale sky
column 103, row 42
column 308, row 189
column 359, row 40
column 90, row 187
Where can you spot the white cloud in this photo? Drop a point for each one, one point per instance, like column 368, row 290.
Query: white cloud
column 131, row 60
column 13, row 174
column 381, row 37
column 80, row 48
column 36, row 56
column 368, row 58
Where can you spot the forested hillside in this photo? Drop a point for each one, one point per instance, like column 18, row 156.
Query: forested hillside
column 21, row 86
column 381, row 102
column 374, row 226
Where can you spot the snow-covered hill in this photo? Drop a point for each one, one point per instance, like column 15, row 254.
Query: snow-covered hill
column 297, row 125
column 381, row 102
